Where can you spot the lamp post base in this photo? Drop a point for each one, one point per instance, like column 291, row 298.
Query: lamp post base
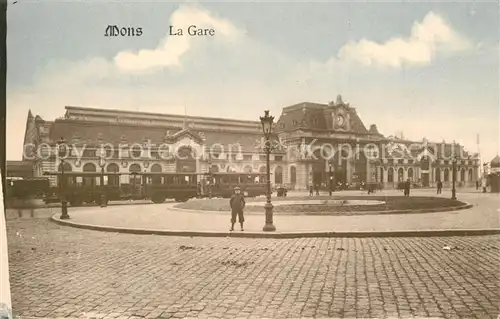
column 64, row 210
column 453, row 194
column 269, row 226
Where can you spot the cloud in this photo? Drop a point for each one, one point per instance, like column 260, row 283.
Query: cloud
column 171, row 49
column 428, row 38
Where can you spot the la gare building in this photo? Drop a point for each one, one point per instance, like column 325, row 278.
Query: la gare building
column 311, row 143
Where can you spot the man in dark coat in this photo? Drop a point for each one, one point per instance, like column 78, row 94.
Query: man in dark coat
column 407, row 187
column 237, row 203
column 311, row 190
column 439, row 186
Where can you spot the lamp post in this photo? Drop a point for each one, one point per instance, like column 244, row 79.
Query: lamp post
column 62, row 152
column 209, row 175
column 267, row 124
column 102, row 164
column 453, row 177
column 330, row 178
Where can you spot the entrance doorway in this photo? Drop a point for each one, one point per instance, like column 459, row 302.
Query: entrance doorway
column 425, row 179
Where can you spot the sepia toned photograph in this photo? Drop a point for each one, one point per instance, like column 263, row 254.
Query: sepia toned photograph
column 196, row 159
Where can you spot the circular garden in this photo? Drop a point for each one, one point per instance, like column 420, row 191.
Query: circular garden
column 335, row 206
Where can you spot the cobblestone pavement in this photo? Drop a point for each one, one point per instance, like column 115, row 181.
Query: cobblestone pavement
column 483, row 215
column 59, row 271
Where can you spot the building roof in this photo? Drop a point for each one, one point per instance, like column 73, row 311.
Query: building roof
column 94, row 133
column 317, row 117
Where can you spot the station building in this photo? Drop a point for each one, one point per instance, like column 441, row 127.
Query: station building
column 311, row 143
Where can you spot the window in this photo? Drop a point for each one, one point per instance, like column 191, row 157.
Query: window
column 247, row 157
column 262, row 157
column 390, row 175
column 282, row 125
column 89, row 153
column 294, row 122
column 278, row 158
column 278, row 175
column 400, row 161
column 293, row 175
column 315, row 121
column 136, row 151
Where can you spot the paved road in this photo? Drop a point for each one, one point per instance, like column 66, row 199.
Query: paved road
column 483, row 215
column 59, row 271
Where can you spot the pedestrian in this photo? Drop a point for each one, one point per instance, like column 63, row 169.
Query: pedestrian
column 477, row 185
column 317, row 189
column 439, row 187
column 237, row 203
column 311, row 190
column 407, row 188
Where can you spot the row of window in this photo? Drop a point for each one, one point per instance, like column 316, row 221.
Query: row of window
column 156, row 155
column 446, row 174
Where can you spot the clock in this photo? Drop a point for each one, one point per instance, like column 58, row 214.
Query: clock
column 340, row 120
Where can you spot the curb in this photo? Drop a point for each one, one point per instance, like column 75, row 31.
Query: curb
column 358, row 213
column 283, row 235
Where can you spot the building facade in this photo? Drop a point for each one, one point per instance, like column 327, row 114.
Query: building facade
column 311, row 144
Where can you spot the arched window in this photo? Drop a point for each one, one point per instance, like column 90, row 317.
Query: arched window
column 400, row 174
column 136, row 151
column 247, row 169
column 135, row 168
column 156, row 168
column 446, row 175
column 278, row 175
column 390, row 175
column 462, row 175
column 410, row 174
column 438, row 174
column 471, row 175
column 381, row 177
column 113, row 180
column 89, row 168
column 293, row 175
column 185, row 153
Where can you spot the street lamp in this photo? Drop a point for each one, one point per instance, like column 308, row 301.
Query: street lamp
column 62, row 149
column 210, row 177
column 102, row 164
column 453, row 177
column 267, row 124
column 330, row 176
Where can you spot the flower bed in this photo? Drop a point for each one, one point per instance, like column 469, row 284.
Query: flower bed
column 391, row 203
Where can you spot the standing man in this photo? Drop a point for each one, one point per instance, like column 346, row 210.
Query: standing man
column 439, row 186
column 237, row 203
column 407, row 187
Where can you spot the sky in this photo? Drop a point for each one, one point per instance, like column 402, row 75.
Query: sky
column 427, row 69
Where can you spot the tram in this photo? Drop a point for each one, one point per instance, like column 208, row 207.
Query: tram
column 88, row 187
column 223, row 184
